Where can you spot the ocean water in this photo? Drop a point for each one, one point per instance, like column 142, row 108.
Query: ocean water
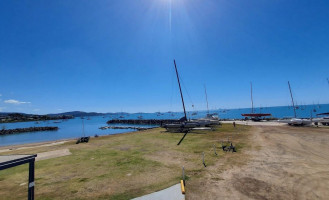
column 68, row 129
column 73, row 128
column 304, row 111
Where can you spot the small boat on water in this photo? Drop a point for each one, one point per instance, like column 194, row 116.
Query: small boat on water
column 140, row 117
column 57, row 121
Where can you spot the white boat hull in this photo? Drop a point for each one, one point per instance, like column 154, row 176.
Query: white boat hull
column 296, row 122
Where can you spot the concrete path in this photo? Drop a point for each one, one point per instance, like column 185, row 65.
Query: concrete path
column 53, row 154
column 172, row 193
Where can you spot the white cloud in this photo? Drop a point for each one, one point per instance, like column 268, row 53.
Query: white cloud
column 13, row 101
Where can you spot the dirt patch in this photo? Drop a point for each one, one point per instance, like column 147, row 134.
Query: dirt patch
column 53, row 154
column 258, row 189
column 285, row 163
column 31, row 146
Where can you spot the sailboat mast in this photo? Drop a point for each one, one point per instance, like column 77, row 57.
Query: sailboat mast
column 252, row 101
column 180, row 89
column 292, row 100
column 205, row 90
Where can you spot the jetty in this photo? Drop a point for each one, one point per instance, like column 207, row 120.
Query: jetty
column 143, row 121
column 30, row 129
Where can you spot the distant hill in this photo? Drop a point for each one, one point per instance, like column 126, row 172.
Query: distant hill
column 72, row 113
column 9, row 113
column 78, row 114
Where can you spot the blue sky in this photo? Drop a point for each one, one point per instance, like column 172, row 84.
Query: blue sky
column 112, row 56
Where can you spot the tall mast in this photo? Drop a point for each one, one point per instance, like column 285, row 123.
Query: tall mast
column 292, row 100
column 180, row 89
column 252, row 101
column 205, row 90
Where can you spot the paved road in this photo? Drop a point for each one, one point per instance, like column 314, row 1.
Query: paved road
column 172, row 193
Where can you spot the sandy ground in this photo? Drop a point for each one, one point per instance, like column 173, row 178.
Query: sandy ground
column 53, row 154
column 30, row 146
column 286, row 163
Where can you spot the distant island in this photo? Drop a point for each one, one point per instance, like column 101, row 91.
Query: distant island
column 23, row 117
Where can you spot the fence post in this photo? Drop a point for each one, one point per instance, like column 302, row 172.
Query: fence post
column 203, row 160
column 215, row 149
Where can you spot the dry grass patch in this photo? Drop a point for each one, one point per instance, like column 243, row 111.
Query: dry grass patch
column 128, row 165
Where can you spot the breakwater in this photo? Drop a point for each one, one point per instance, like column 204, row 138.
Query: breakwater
column 142, row 121
column 125, row 127
column 30, row 129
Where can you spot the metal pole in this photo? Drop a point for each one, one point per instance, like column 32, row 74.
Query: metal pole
column 215, row 149
column 31, row 181
column 183, row 171
column 292, row 100
column 180, row 89
column 203, row 159
column 205, row 90
column 252, row 101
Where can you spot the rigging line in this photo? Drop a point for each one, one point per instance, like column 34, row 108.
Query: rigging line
column 186, row 90
column 292, row 100
column 205, row 90
column 172, row 88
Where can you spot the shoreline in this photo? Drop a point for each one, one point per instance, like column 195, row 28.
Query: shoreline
column 8, row 148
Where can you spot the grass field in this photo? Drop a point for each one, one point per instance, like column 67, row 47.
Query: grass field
column 128, row 165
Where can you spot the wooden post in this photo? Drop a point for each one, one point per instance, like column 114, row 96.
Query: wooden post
column 183, row 175
column 31, row 181
column 215, row 149
column 203, row 160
